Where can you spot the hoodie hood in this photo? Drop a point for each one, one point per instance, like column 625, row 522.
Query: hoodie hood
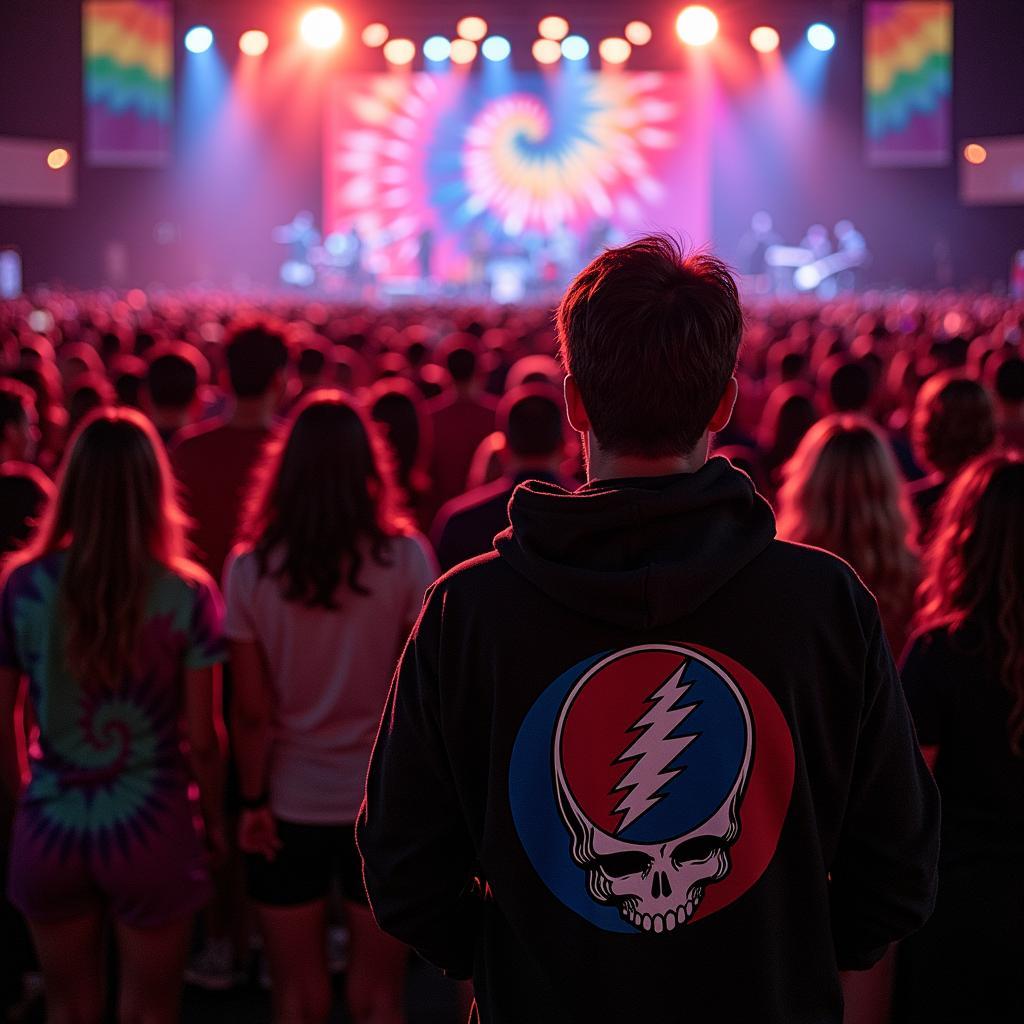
column 637, row 552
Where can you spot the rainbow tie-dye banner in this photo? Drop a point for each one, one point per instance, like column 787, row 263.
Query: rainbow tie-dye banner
column 908, row 82
column 128, row 67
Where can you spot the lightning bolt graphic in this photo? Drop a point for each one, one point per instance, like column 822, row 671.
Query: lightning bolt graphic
column 655, row 749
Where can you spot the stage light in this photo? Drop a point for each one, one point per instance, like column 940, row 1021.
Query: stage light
column 321, row 28
column 463, row 51
column 60, row 157
column 614, row 50
column 399, row 51
column 638, row 33
column 973, row 153
column 696, row 25
column 437, row 48
column 821, row 37
column 198, row 39
column 471, row 28
column 764, row 39
column 375, row 34
column 496, row 48
column 254, row 42
column 553, row 27
column 546, row 51
column 575, row 48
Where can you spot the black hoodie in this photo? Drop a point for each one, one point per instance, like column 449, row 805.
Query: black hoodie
column 645, row 762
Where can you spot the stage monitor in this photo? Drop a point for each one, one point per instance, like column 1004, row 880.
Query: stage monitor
column 464, row 179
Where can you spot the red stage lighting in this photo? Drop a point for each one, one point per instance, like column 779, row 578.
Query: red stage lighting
column 696, row 25
column 254, row 42
column 375, row 34
column 764, row 39
column 322, row 28
column 614, row 50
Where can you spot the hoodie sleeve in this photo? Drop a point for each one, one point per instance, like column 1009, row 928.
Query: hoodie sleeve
column 884, row 874
column 418, row 858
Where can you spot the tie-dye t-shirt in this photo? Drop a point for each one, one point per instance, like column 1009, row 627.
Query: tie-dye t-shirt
column 109, row 765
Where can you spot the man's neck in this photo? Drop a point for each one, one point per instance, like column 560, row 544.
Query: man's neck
column 252, row 414
column 602, row 465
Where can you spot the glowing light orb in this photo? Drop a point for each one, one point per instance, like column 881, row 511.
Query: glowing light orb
column 463, row 51
column 638, row 33
column 375, row 34
column 437, row 48
column 696, row 25
column 546, row 51
column 553, row 27
column 496, row 48
column 321, row 28
column 973, row 153
column 575, row 48
column 614, row 50
column 254, row 42
column 58, row 158
column 471, row 28
column 198, row 39
column 764, row 39
column 399, row 51
column 821, row 37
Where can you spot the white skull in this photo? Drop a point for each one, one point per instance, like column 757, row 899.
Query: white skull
column 657, row 887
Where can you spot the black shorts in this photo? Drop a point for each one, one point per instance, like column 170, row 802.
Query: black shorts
column 310, row 858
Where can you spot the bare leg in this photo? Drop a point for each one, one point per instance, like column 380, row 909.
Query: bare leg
column 71, row 957
column 295, row 940
column 152, row 964
column 376, row 970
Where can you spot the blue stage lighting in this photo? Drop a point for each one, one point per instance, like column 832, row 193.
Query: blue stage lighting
column 496, row 48
column 198, row 39
column 575, row 48
column 821, row 37
column 437, row 48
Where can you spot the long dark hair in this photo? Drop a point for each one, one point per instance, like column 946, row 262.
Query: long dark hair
column 975, row 569
column 116, row 513
column 322, row 492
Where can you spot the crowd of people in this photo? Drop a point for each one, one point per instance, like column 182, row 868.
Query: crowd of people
column 218, row 520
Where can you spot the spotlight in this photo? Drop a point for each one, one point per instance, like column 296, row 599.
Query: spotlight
column 614, row 50
column 254, row 42
column 60, row 157
column 496, row 48
column 821, row 37
column 546, row 51
column 437, row 48
column 638, row 33
column 375, row 34
column 321, row 28
column 696, row 25
column 471, row 28
column 764, row 39
column 463, row 51
column 198, row 39
column 575, row 48
column 553, row 27
column 973, row 153
column 399, row 51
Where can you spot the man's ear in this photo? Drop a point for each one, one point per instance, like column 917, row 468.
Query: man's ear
column 578, row 418
column 723, row 412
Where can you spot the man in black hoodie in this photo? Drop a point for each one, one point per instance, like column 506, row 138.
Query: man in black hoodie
column 645, row 762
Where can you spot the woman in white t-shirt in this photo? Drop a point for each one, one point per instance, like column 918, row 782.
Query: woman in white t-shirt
column 320, row 598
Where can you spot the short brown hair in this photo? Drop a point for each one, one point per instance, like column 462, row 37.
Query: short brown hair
column 650, row 333
column 953, row 422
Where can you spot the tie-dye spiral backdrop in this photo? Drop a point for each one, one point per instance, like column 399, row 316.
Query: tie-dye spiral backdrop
column 557, row 165
column 128, row 62
column 908, row 82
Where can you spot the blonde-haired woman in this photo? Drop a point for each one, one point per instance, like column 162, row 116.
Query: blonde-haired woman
column 842, row 491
